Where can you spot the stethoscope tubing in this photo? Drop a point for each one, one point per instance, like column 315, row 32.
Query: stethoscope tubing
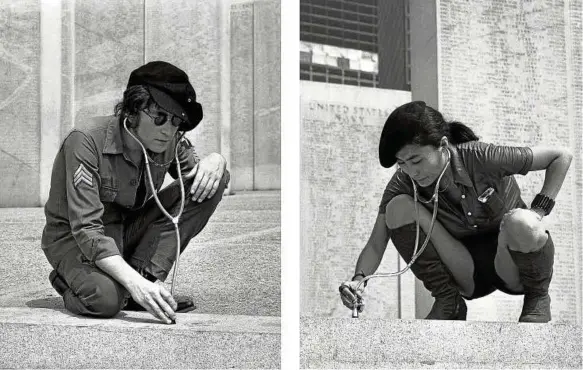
column 416, row 251
column 174, row 219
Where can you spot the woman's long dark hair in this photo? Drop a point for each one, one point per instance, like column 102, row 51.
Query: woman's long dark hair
column 418, row 123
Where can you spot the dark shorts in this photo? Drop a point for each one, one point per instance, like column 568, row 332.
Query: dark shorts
column 483, row 249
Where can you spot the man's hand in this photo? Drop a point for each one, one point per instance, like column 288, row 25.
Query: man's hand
column 348, row 292
column 207, row 176
column 154, row 298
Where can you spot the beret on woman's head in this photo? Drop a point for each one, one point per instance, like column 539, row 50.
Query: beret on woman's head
column 400, row 129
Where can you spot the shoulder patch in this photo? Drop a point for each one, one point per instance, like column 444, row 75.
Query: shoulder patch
column 82, row 175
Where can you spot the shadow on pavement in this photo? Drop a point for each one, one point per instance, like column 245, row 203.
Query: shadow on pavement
column 52, row 302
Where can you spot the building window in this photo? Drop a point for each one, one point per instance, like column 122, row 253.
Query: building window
column 350, row 25
column 343, row 63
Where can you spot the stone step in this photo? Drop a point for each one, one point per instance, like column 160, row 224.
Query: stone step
column 49, row 338
column 373, row 343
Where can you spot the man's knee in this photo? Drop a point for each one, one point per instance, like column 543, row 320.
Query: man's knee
column 399, row 211
column 523, row 230
column 101, row 295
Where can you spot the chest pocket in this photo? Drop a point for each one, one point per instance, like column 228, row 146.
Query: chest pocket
column 109, row 189
column 491, row 202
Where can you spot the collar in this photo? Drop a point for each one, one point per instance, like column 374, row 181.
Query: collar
column 460, row 174
column 114, row 143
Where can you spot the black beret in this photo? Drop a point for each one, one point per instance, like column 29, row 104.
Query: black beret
column 170, row 88
column 397, row 130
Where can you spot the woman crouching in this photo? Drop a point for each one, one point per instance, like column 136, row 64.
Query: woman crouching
column 484, row 237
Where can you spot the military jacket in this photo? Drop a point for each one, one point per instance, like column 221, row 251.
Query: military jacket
column 94, row 185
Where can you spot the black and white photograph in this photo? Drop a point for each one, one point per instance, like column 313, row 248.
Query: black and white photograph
column 141, row 184
column 441, row 193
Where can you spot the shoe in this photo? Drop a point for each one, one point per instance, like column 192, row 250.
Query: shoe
column 535, row 272
column 184, row 305
column 58, row 284
column 449, row 303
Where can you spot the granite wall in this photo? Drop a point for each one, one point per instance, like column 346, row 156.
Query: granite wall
column 255, row 98
column 512, row 70
column 19, row 103
column 341, row 187
column 76, row 66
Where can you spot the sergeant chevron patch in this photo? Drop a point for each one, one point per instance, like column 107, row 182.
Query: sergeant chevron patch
column 82, row 175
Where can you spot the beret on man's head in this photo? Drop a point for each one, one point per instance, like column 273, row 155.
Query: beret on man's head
column 170, row 88
column 400, row 128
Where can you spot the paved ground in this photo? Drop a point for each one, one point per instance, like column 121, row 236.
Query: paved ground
column 50, row 338
column 232, row 268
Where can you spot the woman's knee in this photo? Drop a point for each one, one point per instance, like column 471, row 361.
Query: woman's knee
column 101, row 295
column 399, row 211
column 523, row 230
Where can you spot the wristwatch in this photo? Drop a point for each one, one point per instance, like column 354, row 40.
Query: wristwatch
column 543, row 203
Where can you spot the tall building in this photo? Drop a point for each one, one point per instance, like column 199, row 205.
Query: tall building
column 355, row 42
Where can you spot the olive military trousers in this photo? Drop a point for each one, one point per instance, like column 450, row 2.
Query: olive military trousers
column 149, row 246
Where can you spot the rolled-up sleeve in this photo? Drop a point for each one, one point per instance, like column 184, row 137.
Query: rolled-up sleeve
column 187, row 158
column 399, row 184
column 85, row 209
column 501, row 160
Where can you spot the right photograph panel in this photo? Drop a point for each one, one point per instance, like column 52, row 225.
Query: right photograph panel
column 441, row 180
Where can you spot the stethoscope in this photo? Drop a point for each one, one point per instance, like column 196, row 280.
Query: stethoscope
column 173, row 219
column 416, row 252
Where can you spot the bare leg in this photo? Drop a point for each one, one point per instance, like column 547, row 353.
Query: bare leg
column 400, row 212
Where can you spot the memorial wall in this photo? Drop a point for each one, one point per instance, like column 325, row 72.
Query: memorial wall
column 19, row 102
column 68, row 60
column 341, row 187
column 511, row 70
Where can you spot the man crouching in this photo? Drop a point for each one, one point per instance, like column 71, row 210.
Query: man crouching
column 105, row 236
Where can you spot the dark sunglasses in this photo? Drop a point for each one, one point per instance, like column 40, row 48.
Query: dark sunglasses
column 162, row 117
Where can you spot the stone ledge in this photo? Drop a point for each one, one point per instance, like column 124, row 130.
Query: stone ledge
column 367, row 343
column 46, row 338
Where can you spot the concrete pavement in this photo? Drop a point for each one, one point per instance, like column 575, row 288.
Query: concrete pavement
column 410, row 344
column 231, row 270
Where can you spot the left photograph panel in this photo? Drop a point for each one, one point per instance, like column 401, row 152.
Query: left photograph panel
column 140, row 196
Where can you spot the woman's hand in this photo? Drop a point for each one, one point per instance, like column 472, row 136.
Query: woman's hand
column 348, row 292
column 207, row 176
column 154, row 298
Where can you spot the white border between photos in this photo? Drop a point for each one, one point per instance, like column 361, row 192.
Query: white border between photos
column 290, row 189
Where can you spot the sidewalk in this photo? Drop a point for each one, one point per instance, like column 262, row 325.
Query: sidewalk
column 231, row 270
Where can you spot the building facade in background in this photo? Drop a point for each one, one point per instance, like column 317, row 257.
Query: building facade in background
column 356, row 42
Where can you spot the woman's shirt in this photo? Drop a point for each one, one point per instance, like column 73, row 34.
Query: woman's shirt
column 476, row 167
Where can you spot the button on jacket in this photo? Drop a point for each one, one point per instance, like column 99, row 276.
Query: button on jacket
column 476, row 167
column 94, row 185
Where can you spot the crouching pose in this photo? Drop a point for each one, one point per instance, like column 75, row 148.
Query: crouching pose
column 484, row 237
column 105, row 236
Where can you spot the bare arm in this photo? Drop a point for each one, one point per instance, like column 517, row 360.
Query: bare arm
column 556, row 162
column 372, row 254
